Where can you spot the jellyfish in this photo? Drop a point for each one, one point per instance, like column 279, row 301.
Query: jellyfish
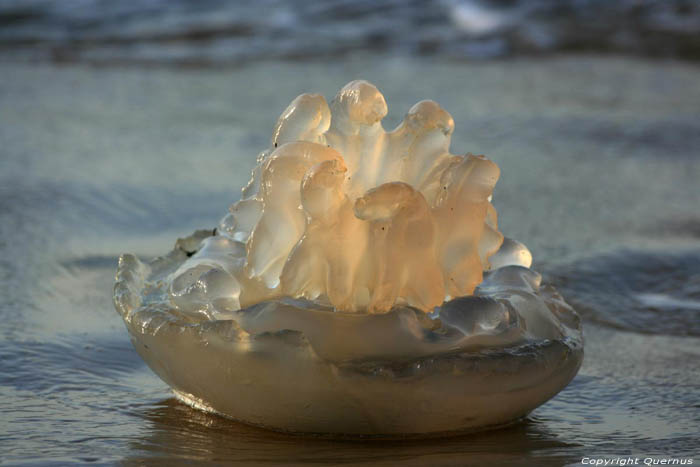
column 359, row 287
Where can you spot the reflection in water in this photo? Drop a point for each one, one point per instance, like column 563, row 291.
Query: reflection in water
column 180, row 431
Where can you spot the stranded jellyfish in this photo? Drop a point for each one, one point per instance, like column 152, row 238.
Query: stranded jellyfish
column 359, row 287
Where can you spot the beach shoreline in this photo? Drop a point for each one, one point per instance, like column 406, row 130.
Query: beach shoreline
column 600, row 158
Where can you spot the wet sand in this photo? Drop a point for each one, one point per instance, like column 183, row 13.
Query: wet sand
column 600, row 160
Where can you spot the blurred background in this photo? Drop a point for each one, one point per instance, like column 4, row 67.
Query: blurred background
column 209, row 32
column 124, row 125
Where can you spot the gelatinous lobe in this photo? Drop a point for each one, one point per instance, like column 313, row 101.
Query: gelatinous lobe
column 345, row 213
column 307, row 118
column 404, row 259
column 462, row 208
column 325, row 261
column 281, row 222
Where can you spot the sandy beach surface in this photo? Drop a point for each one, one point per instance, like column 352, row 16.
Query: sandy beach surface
column 600, row 160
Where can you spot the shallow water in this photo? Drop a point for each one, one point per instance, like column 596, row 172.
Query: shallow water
column 600, row 162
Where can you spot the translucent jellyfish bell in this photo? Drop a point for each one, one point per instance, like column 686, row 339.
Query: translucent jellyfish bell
column 359, row 287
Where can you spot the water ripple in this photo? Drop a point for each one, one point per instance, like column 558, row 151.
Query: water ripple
column 645, row 291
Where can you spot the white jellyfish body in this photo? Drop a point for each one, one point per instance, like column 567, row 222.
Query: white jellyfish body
column 434, row 244
column 365, row 266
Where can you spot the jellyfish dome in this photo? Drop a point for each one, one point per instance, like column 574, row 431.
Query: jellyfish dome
column 359, row 287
